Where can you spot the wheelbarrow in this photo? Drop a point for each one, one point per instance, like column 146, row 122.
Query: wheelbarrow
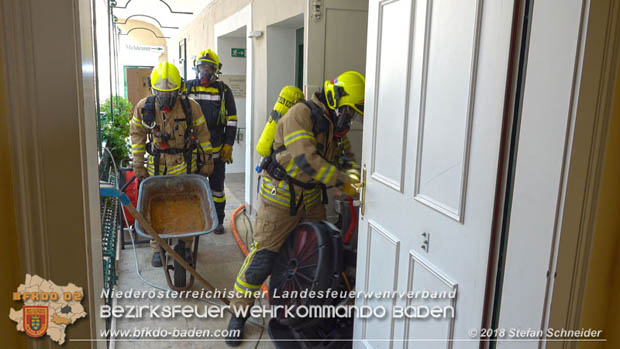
column 171, row 187
column 177, row 207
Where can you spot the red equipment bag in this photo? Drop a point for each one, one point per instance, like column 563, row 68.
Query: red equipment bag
column 132, row 192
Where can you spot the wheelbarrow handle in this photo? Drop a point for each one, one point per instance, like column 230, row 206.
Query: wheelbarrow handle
column 133, row 178
column 111, row 191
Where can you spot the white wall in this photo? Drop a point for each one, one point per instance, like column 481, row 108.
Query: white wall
column 280, row 60
column 235, row 66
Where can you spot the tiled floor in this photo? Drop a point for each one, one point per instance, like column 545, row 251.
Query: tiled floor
column 219, row 260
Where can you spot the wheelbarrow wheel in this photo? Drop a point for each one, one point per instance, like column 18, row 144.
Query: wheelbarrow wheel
column 180, row 276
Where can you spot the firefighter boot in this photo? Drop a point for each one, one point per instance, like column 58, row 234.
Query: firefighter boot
column 156, row 260
column 235, row 330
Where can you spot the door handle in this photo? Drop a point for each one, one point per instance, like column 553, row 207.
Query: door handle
column 361, row 189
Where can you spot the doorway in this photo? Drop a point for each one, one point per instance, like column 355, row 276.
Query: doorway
column 136, row 81
column 235, row 51
column 284, row 64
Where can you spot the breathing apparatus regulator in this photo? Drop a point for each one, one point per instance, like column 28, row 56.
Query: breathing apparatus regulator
column 208, row 67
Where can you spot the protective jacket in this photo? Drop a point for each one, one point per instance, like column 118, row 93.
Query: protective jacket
column 306, row 149
column 168, row 132
column 218, row 106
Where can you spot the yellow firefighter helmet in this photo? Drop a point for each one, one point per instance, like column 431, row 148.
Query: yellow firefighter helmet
column 165, row 77
column 347, row 89
column 208, row 56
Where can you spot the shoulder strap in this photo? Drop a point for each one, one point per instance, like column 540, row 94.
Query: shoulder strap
column 187, row 110
column 222, row 114
column 148, row 111
column 320, row 125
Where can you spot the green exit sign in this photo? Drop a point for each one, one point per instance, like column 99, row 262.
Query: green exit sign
column 238, row 52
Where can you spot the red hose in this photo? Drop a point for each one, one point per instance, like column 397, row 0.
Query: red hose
column 240, row 242
column 349, row 233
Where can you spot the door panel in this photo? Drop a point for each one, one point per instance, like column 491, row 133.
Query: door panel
column 435, row 86
column 447, row 70
column 391, row 95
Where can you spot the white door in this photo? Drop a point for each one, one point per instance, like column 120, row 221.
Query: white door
column 435, row 84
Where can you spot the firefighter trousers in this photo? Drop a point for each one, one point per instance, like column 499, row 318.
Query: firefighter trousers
column 216, row 182
column 273, row 225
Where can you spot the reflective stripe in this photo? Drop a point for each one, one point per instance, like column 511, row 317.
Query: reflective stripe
column 201, row 120
column 273, row 198
column 206, row 146
column 232, row 117
column 247, row 260
column 270, row 187
column 247, row 285
column 312, row 199
column 292, row 169
column 246, row 291
column 177, row 169
column 217, row 149
column 137, row 122
column 218, row 193
column 200, row 88
column 215, row 155
column 231, row 123
column 138, row 148
column 325, row 173
column 297, row 135
column 346, row 144
column 206, row 97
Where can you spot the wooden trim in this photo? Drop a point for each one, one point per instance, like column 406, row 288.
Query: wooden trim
column 29, row 112
column 586, row 143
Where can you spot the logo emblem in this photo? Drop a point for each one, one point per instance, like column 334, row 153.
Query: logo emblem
column 35, row 320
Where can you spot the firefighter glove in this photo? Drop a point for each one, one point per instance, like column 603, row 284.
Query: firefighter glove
column 226, row 153
column 351, row 187
column 207, row 168
column 140, row 172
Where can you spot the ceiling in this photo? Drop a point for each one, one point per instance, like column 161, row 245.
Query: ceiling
column 167, row 15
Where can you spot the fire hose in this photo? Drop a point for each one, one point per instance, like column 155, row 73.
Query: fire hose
column 241, row 243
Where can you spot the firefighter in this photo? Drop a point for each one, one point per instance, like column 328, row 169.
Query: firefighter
column 218, row 106
column 170, row 127
column 309, row 143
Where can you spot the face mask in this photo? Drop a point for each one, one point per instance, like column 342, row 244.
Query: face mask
column 206, row 73
column 342, row 123
column 166, row 99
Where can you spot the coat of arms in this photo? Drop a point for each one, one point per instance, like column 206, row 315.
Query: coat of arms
column 36, row 319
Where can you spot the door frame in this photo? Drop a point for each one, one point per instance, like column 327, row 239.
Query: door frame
column 589, row 84
column 29, row 154
column 239, row 19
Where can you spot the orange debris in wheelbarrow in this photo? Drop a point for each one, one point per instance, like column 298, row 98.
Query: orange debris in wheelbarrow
column 177, row 214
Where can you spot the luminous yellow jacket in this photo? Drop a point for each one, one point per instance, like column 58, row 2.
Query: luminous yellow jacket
column 308, row 157
column 174, row 124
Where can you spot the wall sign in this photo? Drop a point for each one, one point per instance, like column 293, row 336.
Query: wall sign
column 236, row 84
column 144, row 48
column 237, row 52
